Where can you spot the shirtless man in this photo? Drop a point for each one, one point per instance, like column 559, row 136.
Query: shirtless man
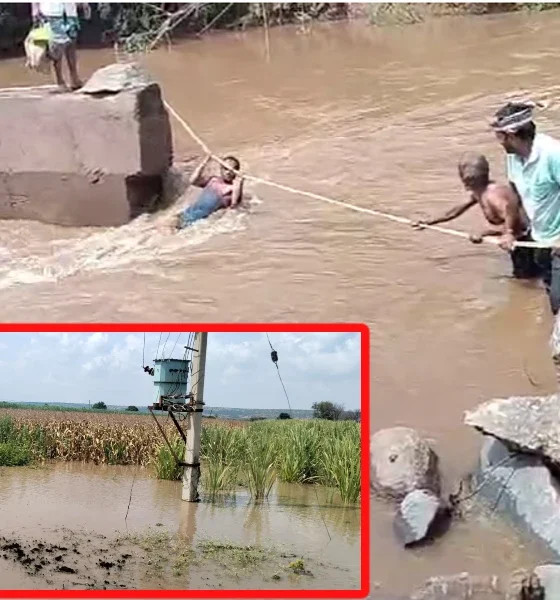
column 502, row 209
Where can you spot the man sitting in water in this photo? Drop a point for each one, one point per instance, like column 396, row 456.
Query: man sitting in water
column 502, row 209
column 218, row 192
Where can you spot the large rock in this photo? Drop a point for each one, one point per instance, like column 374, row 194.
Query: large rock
column 555, row 347
column 460, row 587
column 81, row 159
column 402, row 461
column 421, row 516
column 523, row 489
column 549, row 576
column 530, row 424
column 522, row 585
column 117, row 78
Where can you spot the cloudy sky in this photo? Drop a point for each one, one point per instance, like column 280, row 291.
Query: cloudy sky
column 76, row 367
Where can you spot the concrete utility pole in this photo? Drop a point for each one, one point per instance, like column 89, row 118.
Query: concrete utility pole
column 192, row 448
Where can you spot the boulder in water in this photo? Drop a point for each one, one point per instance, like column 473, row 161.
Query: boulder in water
column 522, row 488
column 421, row 516
column 401, row 462
column 549, row 577
column 529, row 424
column 555, row 347
column 525, row 586
column 460, row 587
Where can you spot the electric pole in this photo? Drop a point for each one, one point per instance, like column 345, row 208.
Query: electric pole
column 191, row 472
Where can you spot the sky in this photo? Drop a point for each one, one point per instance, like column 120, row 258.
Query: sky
column 83, row 367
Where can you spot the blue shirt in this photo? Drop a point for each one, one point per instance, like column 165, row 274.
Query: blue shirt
column 537, row 180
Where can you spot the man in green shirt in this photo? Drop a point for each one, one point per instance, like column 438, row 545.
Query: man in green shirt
column 533, row 169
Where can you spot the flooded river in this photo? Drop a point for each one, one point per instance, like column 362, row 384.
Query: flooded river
column 87, row 505
column 377, row 117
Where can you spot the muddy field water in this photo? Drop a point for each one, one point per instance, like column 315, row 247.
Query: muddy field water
column 69, row 519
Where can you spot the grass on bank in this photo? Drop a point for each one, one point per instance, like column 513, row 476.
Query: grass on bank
column 255, row 455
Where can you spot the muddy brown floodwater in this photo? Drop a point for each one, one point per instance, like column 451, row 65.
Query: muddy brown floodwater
column 374, row 116
column 69, row 519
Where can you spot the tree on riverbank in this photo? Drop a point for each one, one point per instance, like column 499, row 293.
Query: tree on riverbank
column 138, row 26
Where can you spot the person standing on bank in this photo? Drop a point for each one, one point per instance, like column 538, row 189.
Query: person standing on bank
column 533, row 169
column 64, row 23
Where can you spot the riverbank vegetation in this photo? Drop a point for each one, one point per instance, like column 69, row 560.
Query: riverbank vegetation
column 141, row 26
column 253, row 455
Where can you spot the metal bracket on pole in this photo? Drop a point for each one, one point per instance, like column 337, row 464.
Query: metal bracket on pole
column 181, row 432
column 150, row 408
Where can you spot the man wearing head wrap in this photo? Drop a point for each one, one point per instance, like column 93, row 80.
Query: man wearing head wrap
column 533, row 168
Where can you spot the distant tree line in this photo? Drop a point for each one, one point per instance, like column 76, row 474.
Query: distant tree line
column 334, row 412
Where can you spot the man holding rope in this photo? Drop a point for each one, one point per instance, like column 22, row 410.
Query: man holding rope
column 533, row 169
column 501, row 208
column 218, row 191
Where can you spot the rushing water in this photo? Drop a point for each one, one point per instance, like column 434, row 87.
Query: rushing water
column 377, row 117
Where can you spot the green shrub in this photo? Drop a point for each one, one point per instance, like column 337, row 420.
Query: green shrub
column 14, row 455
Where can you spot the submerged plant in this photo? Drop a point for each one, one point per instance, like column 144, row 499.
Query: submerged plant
column 297, row 459
column 259, row 463
column 342, row 468
column 165, row 465
column 222, row 449
column 256, row 454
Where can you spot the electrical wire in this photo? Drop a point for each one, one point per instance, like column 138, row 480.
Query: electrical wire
column 159, row 342
column 171, row 355
column 163, row 351
column 143, row 351
column 274, row 356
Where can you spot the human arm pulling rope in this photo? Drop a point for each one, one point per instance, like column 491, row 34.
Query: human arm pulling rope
column 360, row 209
column 450, row 215
column 197, row 178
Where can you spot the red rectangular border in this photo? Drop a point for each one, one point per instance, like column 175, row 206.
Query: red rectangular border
column 362, row 329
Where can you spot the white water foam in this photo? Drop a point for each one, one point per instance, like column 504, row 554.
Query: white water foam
column 146, row 239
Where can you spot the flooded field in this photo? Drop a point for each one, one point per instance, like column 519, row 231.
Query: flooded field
column 71, row 517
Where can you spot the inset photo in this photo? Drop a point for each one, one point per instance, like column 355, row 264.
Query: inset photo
column 223, row 459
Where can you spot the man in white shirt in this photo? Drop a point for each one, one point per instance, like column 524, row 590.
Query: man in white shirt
column 64, row 22
column 533, row 168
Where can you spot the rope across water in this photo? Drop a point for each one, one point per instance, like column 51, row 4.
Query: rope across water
column 347, row 205
column 369, row 211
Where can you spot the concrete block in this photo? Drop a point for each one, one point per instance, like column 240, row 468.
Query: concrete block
column 82, row 160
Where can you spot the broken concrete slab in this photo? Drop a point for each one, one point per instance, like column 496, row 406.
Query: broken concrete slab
column 82, row 160
column 522, row 488
column 420, row 516
column 530, row 424
column 401, row 461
